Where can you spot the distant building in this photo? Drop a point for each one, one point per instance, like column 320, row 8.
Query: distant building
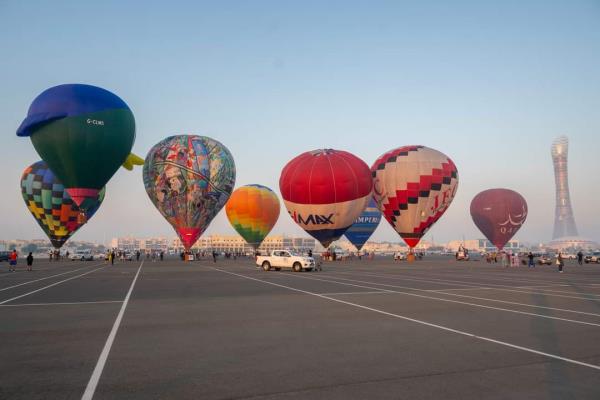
column 572, row 243
column 481, row 245
column 384, row 247
column 220, row 243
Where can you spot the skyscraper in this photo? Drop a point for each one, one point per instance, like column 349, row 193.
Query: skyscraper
column 564, row 222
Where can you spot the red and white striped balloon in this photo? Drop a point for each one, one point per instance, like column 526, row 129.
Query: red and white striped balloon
column 413, row 186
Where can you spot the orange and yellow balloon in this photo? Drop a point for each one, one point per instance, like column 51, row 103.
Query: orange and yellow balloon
column 253, row 210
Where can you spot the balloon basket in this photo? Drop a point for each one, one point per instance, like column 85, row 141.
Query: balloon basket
column 410, row 257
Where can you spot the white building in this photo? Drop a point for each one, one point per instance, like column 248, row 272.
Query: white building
column 481, row 245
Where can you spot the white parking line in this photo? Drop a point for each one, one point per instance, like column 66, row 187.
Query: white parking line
column 545, row 283
column 452, row 301
column 48, row 277
column 465, row 296
column 347, row 293
column 61, row 304
column 49, row 286
column 444, row 328
column 450, row 282
column 95, row 378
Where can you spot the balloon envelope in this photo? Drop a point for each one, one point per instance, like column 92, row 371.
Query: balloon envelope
column 189, row 179
column 253, row 210
column 83, row 132
column 499, row 214
column 51, row 206
column 324, row 191
column 364, row 226
column 413, row 186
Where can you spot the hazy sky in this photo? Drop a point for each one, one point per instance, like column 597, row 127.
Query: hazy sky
column 490, row 84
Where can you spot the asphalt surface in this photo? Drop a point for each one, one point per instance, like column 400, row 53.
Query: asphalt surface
column 368, row 329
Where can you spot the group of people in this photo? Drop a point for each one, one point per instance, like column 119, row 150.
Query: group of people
column 514, row 260
column 55, row 255
column 12, row 261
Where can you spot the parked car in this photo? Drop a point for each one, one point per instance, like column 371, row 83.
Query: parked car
column 399, row 256
column 4, row 255
column 592, row 258
column 285, row 259
column 82, row 256
column 543, row 260
column 569, row 256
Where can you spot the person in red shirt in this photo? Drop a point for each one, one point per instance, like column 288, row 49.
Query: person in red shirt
column 12, row 261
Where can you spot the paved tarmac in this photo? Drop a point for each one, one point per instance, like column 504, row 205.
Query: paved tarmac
column 361, row 329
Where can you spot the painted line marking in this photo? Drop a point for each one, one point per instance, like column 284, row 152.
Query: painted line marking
column 49, row 286
column 444, row 328
column 347, row 293
column 61, row 304
column 466, row 296
column 544, row 282
column 48, row 277
column 452, row 282
column 453, row 301
column 88, row 394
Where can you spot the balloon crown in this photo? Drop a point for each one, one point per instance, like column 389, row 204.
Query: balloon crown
column 67, row 100
column 320, row 152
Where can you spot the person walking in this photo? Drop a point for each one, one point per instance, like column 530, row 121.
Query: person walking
column 162, row 255
column 29, row 261
column 137, row 255
column 504, row 259
column 112, row 257
column 12, row 261
column 214, row 254
column 580, row 258
column 530, row 256
column 560, row 262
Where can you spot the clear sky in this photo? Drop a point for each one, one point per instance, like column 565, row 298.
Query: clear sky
column 490, row 84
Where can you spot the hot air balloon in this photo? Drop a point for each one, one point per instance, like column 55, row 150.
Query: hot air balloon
column 364, row 226
column 51, row 206
column 189, row 179
column 253, row 210
column 413, row 187
column 324, row 191
column 499, row 214
column 84, row 133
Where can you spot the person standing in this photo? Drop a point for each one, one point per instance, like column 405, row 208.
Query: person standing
column 580, row 258
column 112, row 257
column 12, row 261
column 530, row 256
column 137, row 255
column 560, row 262
column 504, row 257
column 162, row 255
column 29, row 261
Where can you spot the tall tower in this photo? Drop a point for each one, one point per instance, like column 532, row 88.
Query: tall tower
column 564, row 222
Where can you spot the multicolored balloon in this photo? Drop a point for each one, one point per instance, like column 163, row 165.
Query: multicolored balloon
column 84, row 133
column 499, row 214
column 189, row 179
column 413, row 186
column 51, row 206
column 324, row 191
column 253, row 210
column 364, row 226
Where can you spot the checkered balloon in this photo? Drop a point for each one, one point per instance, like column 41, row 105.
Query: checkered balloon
column 51, row 206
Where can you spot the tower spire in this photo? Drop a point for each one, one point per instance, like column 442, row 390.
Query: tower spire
column 564, row 221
